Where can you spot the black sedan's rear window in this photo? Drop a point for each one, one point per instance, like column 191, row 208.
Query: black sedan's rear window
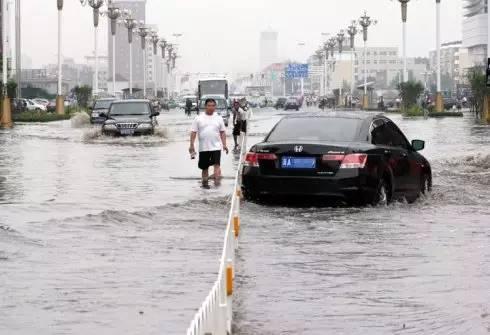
column 322, row 129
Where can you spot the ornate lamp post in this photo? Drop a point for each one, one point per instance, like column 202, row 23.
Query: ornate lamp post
column 340, row 43
column 365, row 21
column 352, row 32
column 404, row 4
column 130, row 24
column 96, row 5
column 155, row 39
column 6, row 121
column 332, row 42
column 60, row 100
column 113, row 13
column 163, row 47
column 143, row 33
column 439, row 101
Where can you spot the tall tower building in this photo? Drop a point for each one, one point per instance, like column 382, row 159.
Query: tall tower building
column 138, row 12
column 475, row 30
column 268, row 48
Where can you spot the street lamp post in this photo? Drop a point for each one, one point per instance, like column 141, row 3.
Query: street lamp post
column 163, row 47
column 439, row 101
column 340, row 43
column 60, row 100
column 143, row 32
column 96, row 5
column 352, row 31
column 155, row 39
column 130, row 24
column 113, row 13
column 6, row 120
column 320, row 56
column 332, row 42
column 365, row 21
column 170, row 49
column 404, row 4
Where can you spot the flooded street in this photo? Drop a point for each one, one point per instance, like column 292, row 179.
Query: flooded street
column 115, row 236
column 405, row 269
column 105, row 236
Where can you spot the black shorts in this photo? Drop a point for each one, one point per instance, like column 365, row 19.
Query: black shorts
column 244, row 126
column 209, row 158
column 237, row 128
column 240, row 126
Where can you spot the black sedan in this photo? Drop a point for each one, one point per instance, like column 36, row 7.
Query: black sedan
column 100, row 106
column 356, row 158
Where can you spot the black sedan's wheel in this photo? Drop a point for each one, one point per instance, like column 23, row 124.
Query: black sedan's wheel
column 425, row 184
column 249, row 195
column 382, row 197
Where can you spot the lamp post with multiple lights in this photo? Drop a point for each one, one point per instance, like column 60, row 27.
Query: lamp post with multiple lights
column 113, row 13
column 154, row 40
column 352, row 32
column 143, row 32
column 96, row 5
column 365, row 21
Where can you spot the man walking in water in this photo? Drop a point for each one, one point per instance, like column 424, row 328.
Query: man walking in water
column 210, row 129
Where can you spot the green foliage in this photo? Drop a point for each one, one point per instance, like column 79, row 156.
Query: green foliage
column 410, row 91
column 11, row 89
column 413, row 111
column 477, row 80
column 83, row 94
column 39, row 117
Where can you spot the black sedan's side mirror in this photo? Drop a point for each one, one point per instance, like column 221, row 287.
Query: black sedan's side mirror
column 104, row 115
column 418, row 145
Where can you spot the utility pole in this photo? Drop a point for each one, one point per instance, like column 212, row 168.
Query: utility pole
column 18, row 49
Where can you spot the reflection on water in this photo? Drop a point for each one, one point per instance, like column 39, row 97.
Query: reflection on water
column 115, row 236
column 411, row 269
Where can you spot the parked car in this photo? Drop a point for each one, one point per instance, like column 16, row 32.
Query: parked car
column 33, row 106
column 280, row 103
column 41, row 101
column 100, row 106
column 51, row 106
column 129, row 117
column 357, row 158
column 292, row 103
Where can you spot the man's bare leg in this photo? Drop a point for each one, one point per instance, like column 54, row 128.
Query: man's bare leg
column 205, row 176
column 217, row 172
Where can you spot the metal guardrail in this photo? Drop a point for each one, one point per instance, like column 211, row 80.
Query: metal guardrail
column 214, row 317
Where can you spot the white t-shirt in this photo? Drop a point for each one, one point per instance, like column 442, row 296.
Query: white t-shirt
column 208, row 128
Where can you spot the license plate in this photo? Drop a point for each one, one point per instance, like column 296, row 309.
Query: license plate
column 298, row 162
column 127, row 131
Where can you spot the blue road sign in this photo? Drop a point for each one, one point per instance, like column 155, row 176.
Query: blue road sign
column 296, row 71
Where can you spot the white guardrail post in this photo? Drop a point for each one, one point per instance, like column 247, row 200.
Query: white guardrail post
column 215, row 315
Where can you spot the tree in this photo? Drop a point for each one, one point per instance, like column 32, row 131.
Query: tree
column 478, row 82
column 11, row 89
column 83, row 94
column 410, row 91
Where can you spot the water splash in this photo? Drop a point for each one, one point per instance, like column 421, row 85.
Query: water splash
column 80, row 120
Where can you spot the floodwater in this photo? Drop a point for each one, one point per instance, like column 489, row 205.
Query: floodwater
column 105, row 235
column 115, row 236
column 403, row 269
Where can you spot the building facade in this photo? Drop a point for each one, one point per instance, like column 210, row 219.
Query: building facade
column 138, row 12
column 455, row 61
column 268, row 48
column 475, row 30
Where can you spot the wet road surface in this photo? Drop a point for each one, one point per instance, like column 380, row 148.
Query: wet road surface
column 105, row 236
column 115, row 236
column 404, row 269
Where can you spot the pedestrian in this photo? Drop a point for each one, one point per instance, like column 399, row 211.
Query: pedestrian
column 210, row 129
column 237, row 122
column 188, row 106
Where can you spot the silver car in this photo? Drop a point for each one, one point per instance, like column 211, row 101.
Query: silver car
column 130, row 117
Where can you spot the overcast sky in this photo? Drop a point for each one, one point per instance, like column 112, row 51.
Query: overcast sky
column 223, row 35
